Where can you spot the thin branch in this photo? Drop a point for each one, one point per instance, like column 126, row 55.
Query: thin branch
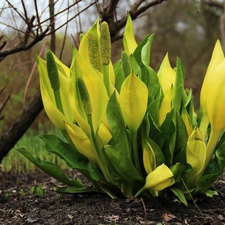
column 119, row 24
column 37, row 16
column 137, row 4
column 58, row 13
column 109, row 11
column 25, row 11
column 64, row 36
column 136, row 13
column 15, row 9
column 20, row 47
column 75, row 16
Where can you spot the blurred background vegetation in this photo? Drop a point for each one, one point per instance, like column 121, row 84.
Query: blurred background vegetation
column 186, row 29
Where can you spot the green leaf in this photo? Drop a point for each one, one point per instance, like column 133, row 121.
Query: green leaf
column 168, row 129
column 73, row 158
column 122, row 165
column 119, row 77
column 77, row 190
column 179, row 91
column 153, row 108
column 211, row 193
column 178, row 170
column 160, row 158
column 111, row 189
column 119, row 134
column 180, row 195
column 135, row 66
column 51, row 169
column 181, row 140
column 155, row 133
column 138, row 51
column 148, row 75
column 146, row 50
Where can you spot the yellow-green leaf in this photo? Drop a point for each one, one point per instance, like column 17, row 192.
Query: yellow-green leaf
column 129, row 41
column 166, row 75
column 196, row 153
column 81, row 141
column 161, row 178
column 217, row 56
column 96, row 90
column 133, row 101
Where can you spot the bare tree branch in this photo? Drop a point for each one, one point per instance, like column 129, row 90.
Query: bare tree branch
column 213, row 3
column 3, row 104
column 22, row 47
column 134, row 12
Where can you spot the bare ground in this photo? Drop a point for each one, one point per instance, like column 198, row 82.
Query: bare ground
column 18, row 206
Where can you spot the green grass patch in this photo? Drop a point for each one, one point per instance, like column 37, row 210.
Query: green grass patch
column 16, row 163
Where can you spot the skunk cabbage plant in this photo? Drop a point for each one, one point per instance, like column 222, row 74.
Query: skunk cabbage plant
column 132, row 131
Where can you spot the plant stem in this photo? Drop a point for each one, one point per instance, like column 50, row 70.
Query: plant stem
column 135, row 152
column 99, row 156
column 105, row 71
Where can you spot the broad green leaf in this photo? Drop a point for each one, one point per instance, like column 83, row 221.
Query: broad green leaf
column 181, row 140
column 73, row 158
column 119, row 77
column 154, row 107
column 168, row 129
column 178, row 170
column 155, row 133
column 146, row 51
column 138, row 51
column 51, row 169
column 135, row 66
column 119, row 134
column 147, row 75
column 123, row 166
column 179, row 91
column 160, row 158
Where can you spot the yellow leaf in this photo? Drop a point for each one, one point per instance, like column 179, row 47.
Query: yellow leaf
column 48, row 96
column 166, row 105
column 133, row 101
column 166, row 75
column 96, row 90
column 161, row 178
column 196, row 153
column 81, row 141
column 217, row 56
column 129, row 41
column 149, row 159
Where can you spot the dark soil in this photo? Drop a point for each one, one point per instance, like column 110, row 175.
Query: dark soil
column 18, row 206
